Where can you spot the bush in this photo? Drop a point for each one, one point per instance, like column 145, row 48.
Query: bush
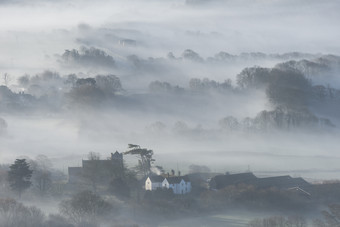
column 85, row 207
column 14, row 214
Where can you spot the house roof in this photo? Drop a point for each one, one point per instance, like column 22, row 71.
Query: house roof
column 156, row 178
column 177, row 180
column 281, row 182
column 222, row 181
column 116, row 155
column 174, row 180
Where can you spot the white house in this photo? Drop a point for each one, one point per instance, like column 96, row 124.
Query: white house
column 153, row 182
column 179, row 185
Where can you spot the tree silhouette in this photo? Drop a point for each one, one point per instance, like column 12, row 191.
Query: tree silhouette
column 85, row 207
column 19, row 176
column 42, row 174
column 331, row 217
column 145, row 161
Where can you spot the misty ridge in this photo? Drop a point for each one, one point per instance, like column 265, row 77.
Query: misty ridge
column 173, row 75
column 291, row 91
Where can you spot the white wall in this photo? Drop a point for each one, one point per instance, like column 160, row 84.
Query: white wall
column 181, row 188
column 150, row 186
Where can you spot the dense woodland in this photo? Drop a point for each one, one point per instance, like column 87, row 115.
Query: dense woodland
column 291, row 89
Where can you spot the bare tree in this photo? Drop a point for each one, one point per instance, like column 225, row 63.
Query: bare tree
column 7, row 79
column 14, row 214
column 331, row 217
column 279, row 221
column 42, row 174
column 85, row 207
column 229, row 123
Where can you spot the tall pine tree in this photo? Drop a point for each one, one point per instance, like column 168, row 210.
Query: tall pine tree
column 19, row 176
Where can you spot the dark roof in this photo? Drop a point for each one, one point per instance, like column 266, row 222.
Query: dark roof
column 156, row 178
column 177, row 180
column 222, row 181
column 116, row 155
column 281, row 182
column 174, row 180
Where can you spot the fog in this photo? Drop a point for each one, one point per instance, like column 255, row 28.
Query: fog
column 35, row 35
column 236, row 86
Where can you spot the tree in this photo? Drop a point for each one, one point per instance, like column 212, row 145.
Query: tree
column 192, row 55
column 120, row 187
column 86, row 92
column 229, row 123
column 19, row 176
column 331, row 217
column 199, row 169
column 254, row 77
column 109, row 84
column 42, row 174
column 7, row 78
column 89, row 57
column 290, row 89
column 24, row 80
column 278, row 221
column 57, row 220
column 145, row 161
column 14, row 214
column 85, row 207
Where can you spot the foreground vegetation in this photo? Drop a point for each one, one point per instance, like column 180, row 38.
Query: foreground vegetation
column 120, row 200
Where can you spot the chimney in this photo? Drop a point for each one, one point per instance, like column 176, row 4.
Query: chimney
column 168, row 174
column 179, row 173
